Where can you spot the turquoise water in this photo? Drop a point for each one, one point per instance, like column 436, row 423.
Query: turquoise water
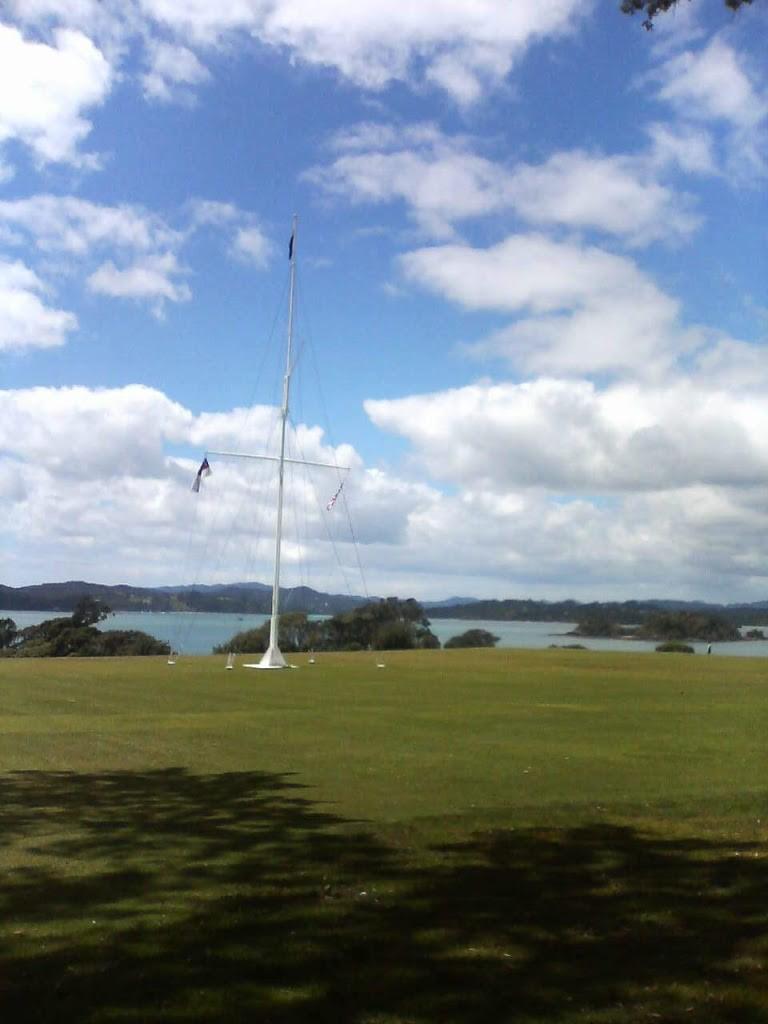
column 199, row 632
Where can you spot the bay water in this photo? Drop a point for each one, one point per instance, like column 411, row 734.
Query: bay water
column 200, row 632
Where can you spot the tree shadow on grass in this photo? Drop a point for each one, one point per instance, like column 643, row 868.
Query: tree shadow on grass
column 165, row 895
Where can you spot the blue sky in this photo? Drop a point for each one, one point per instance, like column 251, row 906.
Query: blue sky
column 532, row 293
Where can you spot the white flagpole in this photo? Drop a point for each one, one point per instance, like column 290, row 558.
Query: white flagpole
column 273, row 657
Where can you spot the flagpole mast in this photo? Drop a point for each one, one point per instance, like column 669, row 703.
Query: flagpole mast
column 273, row 657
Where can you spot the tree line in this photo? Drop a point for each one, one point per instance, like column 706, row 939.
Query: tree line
column 76, row 635
column 389, row 624
column 386, row 625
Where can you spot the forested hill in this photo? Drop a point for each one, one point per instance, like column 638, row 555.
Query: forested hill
column 241, row 598
column 624, row 612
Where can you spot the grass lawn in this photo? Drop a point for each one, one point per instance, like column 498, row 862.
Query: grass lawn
column 484, row 837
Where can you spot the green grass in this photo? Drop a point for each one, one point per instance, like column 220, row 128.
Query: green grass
column 462, row 836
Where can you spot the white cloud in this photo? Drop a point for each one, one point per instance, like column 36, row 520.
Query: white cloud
column 443, row 181
column 733, row 365
column 563, row 489
column 171, row 67
column 615, row 195
column 79, row 433
column 464, row 44
column 713, row 84
column 250, row 244
column 717, row 85
column 212, row 211
column 25, row 321
column 145, row 246
column 247, row 241
column 152, row 279
column 463, row 47
column 439, row 178
column 45, row 90
column 90, row 478
column 588, row 310
column 568, row 436
column 108, row 24
column 688, row 147
column 76, row 226
column 89, row 475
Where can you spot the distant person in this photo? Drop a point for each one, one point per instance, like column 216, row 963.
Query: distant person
column 709, row 648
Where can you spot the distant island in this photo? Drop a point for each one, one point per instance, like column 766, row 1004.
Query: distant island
column 612, row 616
column 668, row 626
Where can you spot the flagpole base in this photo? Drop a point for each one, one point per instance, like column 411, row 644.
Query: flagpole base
column 272, row 658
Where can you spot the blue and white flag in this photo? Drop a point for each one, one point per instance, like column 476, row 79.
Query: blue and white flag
column 205, row 470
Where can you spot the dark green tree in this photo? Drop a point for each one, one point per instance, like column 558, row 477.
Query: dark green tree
column 69, row 637
column 390, row 624
column 88, row 611
column 651, row 8
column 473, row 638
column 295, row 633
column 8, row 632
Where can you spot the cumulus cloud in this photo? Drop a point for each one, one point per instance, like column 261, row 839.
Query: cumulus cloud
column 562, row 488
column 45, row 89
column 79, row 433
column 717, row 85
column 611, row 194
column 154, row 279
column 68, row 224
column 107, row 24
column 171, row 68
column 713, row 84
column 463, row 47
column 582, row 309
column 443, row 181
column 569, row 436
column 146, row 247
column 94, row 480
column 25, row 320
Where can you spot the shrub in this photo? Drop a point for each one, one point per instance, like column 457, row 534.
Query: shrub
column 675, row 648
column 250, row 641
column 473, row 638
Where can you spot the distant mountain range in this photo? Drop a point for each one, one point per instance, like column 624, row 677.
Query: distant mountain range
column 242, row 598
column 255, row 598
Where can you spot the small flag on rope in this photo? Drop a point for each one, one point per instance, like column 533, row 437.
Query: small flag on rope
column 290, row 248
column 205, row 470
column 332, row 502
